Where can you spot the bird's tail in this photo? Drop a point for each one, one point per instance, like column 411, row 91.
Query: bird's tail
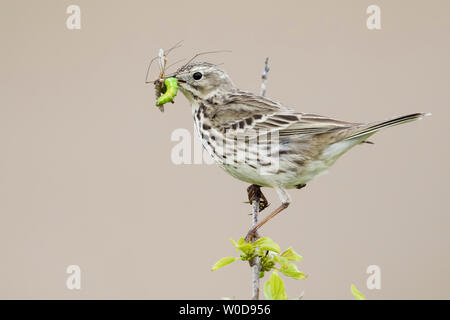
column 371, row 128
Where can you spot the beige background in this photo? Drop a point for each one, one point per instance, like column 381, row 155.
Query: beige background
column 85, row 170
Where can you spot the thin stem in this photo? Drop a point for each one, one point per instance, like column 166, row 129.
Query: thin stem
column 264, row 77
column 256, row 268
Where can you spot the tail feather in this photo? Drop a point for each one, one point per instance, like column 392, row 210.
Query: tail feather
column 374, row 127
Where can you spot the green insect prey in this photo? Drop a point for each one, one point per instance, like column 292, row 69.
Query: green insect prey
column 169, row 91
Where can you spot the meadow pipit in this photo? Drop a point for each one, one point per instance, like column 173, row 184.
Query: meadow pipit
column 280, row 148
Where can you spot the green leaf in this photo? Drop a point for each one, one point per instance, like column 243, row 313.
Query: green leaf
column 291, row 255
column 233, row 242
column 267, row 291
column 358, row 295
column 274, row 288
column 243, row 246
column 281, row 260
column 246, row 248
column 292, row 271
column 223, row 262
column 267, row 244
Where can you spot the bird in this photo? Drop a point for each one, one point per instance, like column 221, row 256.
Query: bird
column 306, row 145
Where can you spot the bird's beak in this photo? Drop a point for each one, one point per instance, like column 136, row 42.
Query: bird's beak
column 177, row 76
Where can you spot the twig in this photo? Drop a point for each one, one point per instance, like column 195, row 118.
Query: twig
column 264, row 77
column 256, row 268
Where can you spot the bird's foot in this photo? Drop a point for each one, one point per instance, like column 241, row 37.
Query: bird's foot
column 252, row 235
column 255, row 191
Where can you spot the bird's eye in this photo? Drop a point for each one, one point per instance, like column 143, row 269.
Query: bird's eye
column 197, row 76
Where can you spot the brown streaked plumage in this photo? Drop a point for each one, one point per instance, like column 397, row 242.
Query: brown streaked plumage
column 306, row 146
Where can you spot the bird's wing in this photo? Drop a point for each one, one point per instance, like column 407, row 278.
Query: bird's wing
column 308, row 123
column 250, row 112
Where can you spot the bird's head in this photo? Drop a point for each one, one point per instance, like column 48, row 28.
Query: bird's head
column 202, row 80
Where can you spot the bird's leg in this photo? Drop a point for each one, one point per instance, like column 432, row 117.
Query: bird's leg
column 252, row 233
column 285, row 200
column 255, row 190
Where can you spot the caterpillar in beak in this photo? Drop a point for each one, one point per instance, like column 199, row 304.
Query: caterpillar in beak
column 166, row 91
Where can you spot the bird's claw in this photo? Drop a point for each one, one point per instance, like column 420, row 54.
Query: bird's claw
column 263, row 205
column 255, row 190
column 252, row 235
